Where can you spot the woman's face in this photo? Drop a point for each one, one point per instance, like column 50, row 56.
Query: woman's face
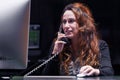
column 70, row 25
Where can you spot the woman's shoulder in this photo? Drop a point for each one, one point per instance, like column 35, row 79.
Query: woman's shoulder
column 104, row 49
column 102, row 44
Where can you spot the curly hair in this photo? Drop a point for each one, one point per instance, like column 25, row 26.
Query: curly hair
column 88, row 38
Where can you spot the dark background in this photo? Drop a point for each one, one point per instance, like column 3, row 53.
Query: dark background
column 47, row 13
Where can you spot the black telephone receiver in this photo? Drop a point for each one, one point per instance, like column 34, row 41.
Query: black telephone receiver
column 65, row 39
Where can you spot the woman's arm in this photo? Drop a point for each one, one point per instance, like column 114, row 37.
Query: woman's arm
column 105, row 61
column 52, row 67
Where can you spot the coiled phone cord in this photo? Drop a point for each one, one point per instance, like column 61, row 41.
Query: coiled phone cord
column 45, row 62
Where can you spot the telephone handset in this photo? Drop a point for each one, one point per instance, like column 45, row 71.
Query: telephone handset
column 65, row 39
column 49, row 59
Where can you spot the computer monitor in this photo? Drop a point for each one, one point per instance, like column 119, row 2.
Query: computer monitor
column 14, row 33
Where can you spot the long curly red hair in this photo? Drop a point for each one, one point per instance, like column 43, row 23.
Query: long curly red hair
column 88, row 38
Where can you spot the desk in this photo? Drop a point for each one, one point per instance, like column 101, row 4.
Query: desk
column 65, row 78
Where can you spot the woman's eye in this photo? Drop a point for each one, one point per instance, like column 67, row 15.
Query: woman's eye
column 64, row 21
column 71, row 20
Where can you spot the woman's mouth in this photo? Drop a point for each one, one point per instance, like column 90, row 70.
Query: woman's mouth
column 68, row 32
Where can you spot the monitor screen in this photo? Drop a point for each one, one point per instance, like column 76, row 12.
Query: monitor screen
column 14, row 33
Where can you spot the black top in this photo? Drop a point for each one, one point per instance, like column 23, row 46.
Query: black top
column 53, row 67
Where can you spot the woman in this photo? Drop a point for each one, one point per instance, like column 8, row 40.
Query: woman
column 85, row 53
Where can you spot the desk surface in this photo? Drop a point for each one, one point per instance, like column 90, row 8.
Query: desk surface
column 65, row 78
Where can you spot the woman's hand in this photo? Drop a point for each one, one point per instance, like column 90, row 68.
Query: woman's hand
column 59, row 44
column 89, row 71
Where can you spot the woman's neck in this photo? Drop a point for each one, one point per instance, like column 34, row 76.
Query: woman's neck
column 75, row 47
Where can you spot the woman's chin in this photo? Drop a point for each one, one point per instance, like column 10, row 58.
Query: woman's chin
column 69, row 36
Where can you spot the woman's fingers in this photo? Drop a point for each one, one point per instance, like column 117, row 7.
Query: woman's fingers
column 84, row 68
column 58, row 47
column 89, row 70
